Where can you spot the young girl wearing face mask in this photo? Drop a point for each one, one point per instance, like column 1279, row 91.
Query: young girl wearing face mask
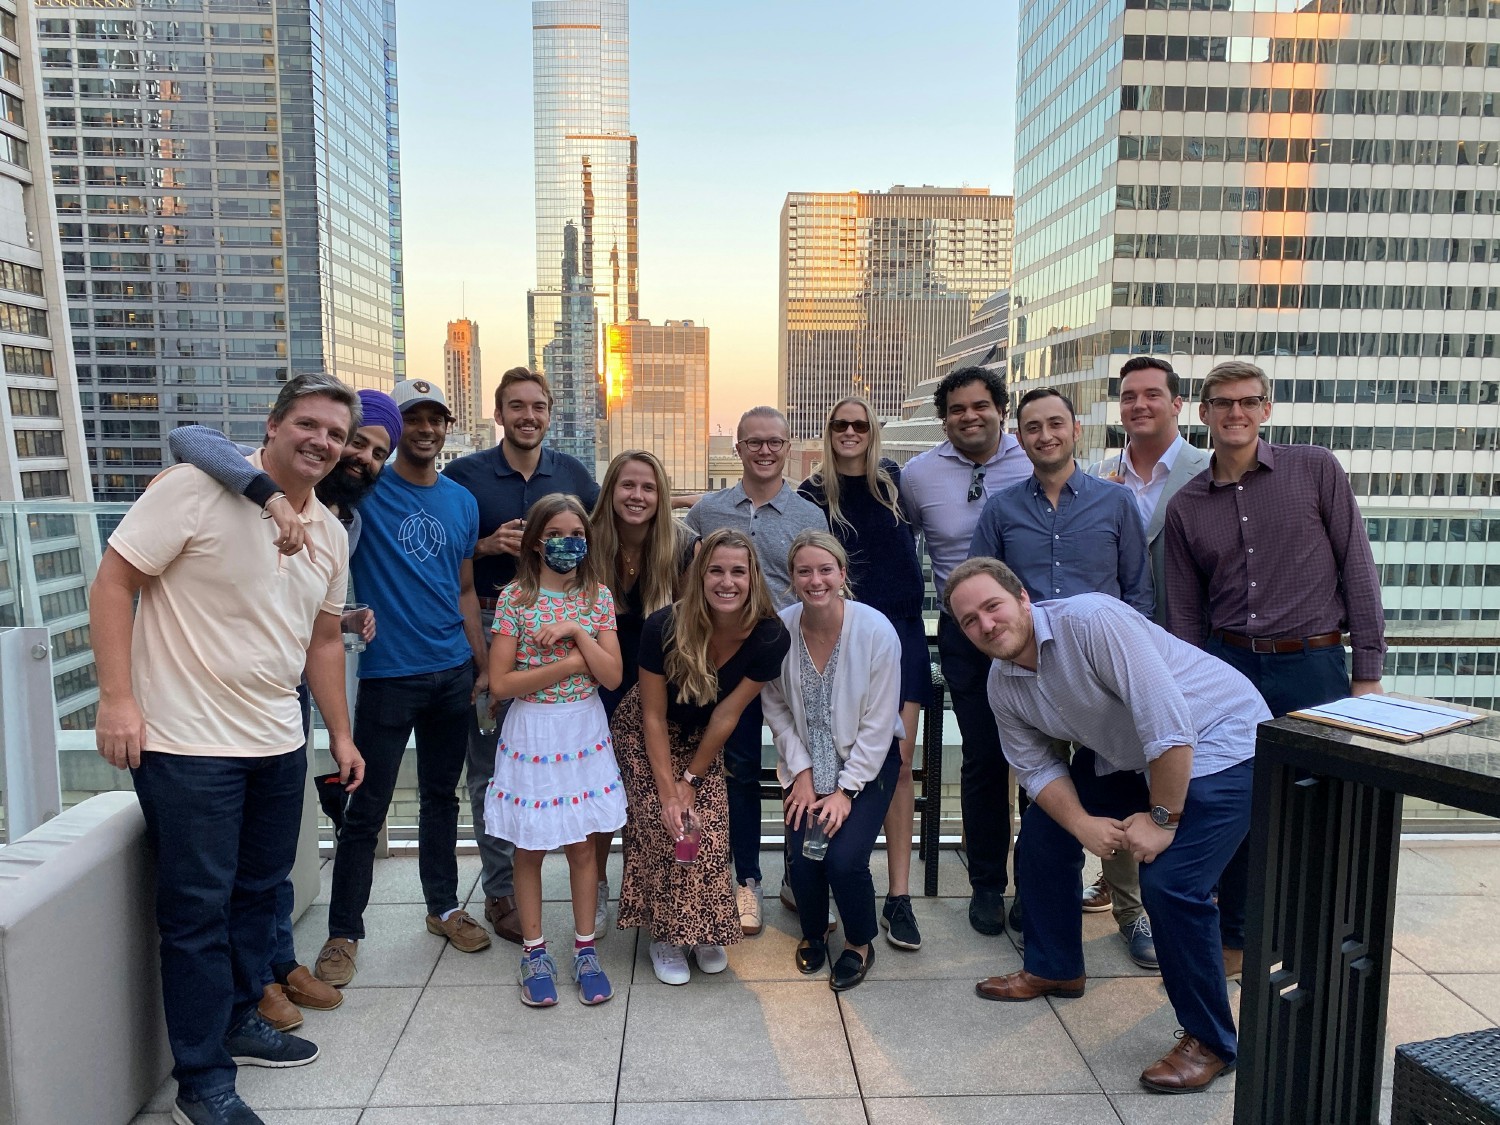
column 556, row 780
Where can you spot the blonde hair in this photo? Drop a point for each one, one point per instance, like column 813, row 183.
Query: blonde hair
column 823, row 541
column 587, row 577
column 665, row 538
column 877, row 479
column 688, row 664
column 1232, row 371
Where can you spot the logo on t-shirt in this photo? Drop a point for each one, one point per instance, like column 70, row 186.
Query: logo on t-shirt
column 421, row 536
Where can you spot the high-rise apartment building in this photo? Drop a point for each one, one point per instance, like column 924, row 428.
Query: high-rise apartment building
column 656, row 379
column 586, row 252
column 464, row 387
column 875, row 284
column 1311, row 187
column 226, row 182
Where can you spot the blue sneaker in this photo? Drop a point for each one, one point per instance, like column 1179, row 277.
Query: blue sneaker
column 257, row 1043
column 593, row 985
column 224, row 1108
column 538, row 988
column 1142, row 945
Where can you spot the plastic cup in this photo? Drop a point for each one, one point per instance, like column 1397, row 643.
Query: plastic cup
column 353, row 621
column 685, row 850
column 482, row 713
column 814, row 840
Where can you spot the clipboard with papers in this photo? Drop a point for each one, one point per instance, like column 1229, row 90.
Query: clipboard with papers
column 1390, row 717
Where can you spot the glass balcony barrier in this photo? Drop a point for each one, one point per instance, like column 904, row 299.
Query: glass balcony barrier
column 1440, row 570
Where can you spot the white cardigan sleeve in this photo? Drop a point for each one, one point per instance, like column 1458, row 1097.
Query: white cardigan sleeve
column 781, row 702
column 873, row 694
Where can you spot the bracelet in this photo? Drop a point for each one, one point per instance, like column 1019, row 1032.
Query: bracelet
column 273, row 496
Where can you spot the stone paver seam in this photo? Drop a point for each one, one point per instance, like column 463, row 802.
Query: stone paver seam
column 838, row 1001
column 1052, row 1003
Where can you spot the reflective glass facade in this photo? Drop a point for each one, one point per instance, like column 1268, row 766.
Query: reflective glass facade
column 874, row 285
column 223, row 177
column 586, row 250
column 656, row 380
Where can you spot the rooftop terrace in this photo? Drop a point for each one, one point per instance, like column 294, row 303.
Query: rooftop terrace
column 428, row 1034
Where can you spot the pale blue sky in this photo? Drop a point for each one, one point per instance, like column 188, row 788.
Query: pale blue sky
column 735, row 104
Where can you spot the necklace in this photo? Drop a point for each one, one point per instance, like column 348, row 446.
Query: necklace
column 630, row 563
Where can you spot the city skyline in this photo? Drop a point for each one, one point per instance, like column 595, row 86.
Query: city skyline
column 726, row 134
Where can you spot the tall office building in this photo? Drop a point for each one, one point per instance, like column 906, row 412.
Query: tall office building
column 1313, row 188
column 875, row 284
column 656, row 379
column 46, row 557
column 393, row 193
column 586, row 252
column 228, row 201
column 462, row 382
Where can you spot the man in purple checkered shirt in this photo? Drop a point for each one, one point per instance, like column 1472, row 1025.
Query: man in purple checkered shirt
column 1267, row 560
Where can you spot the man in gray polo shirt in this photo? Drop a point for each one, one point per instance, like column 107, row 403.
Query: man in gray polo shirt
column 767, row 509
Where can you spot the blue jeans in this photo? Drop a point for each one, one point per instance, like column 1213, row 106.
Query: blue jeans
column 1177, row 889
column 435, row 705
column 286, row 894
column 985, row 775
column 845, row 870
column 742, row 753
column 1289, row 681
column 224, row 833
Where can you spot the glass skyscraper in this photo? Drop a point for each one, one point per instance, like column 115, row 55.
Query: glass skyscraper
column 586, row 251
column 874, row 285
column 656, row 381
column 227, row 186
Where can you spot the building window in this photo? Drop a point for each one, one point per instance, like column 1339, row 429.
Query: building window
column 46, row 484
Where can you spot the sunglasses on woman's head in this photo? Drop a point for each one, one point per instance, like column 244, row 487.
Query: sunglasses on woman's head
column 858, row 425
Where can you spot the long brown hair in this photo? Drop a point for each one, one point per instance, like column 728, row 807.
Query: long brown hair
column 661, row 558
column 879, row 481
column 688, row 664
column 587, row 578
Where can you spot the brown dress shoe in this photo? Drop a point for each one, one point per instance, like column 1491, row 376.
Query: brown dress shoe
column 335, row 964
column 1234, row 963
column 307, row 991
column 504, row 918
column 277, row 1010
column 462, row 932
column 1186, row 1068
column 1015, row 987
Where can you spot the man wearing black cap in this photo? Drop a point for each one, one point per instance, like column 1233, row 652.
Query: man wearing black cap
column 421, row 672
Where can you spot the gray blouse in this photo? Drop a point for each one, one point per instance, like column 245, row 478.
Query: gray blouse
column 817, row 700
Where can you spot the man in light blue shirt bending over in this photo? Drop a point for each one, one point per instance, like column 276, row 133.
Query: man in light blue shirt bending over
column 1091, row 670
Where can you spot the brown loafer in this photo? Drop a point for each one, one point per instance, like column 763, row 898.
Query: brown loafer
column 1234, row 963
column 307, row 991
column 462, row 932
column 504, row 918
column 335, row 964
column 1188, row 1067
column 1015, row 987
column 277, row 1010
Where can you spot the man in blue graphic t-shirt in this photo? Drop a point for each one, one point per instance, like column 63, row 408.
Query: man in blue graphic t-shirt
column 422, row 672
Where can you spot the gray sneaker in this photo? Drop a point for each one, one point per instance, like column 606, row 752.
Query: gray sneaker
column 1139, row 941
column 224, row 1108
column 257, row 1043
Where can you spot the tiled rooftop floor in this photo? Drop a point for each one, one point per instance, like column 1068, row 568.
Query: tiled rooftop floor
column 428, row 1034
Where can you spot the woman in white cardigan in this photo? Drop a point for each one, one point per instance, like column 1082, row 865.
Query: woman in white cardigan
column 835, row 713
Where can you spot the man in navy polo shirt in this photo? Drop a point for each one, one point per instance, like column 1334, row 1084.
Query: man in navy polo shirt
column 506, row 481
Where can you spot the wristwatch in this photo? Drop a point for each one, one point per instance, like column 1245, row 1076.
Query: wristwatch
column 1164, row 819
column 688, row 776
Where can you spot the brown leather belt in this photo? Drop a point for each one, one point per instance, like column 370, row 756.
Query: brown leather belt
column 1282, row 645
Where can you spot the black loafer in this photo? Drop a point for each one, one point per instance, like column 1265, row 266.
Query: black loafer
column 987, row 912
column 811, row 956
column 850, row 969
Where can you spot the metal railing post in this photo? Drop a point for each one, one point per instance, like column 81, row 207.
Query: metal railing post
column 28, row 731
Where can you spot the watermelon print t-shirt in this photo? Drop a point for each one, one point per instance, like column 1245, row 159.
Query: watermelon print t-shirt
column 523, row 621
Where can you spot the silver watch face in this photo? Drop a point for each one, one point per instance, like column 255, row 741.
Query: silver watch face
column 1160, row 816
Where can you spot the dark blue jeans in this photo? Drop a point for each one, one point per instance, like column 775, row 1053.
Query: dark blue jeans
column 1289, row 681
column 985, row 775
column 286, row 894
column 1177, row 889
column 845, row 870
column 435, row 705
column 224, row 833
column 742, row 754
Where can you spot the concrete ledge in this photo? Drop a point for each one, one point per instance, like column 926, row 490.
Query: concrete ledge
column 82, row 1037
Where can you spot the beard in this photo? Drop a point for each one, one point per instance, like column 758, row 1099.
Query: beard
column 346, row 486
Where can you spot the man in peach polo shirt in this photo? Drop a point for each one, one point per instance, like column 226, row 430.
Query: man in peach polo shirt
column 198, row 698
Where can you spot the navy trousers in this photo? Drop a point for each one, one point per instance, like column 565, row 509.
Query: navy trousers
column 984, row 776
column 1177, row 889
column 742, row 755
column 224, row 834
column 1289, row 681
column 845, row 870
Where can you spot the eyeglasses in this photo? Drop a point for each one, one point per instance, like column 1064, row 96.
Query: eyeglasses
column 858, row 425
column 976, row 484
column 1249, row 404
column 755, row 444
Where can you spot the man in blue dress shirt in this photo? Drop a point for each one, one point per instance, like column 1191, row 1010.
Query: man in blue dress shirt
column 1091, row 670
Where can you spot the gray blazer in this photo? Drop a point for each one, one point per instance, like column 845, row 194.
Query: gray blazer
column 1190, row 462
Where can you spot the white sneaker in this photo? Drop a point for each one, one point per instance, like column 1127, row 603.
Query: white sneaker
column 711, row 958
column 747, row 899
column 601, row 911
column 670, row 963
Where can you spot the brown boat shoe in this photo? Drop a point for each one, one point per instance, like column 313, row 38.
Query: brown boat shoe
column 335, row 964
column 307, row 991
column 462, row 932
